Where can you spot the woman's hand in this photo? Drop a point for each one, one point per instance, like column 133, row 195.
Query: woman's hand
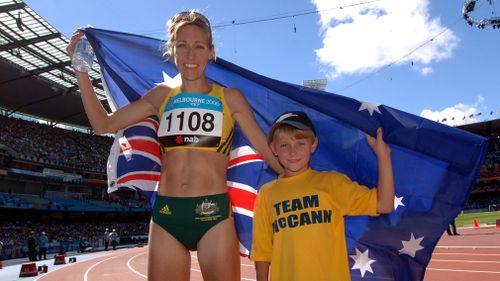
column 72, row 42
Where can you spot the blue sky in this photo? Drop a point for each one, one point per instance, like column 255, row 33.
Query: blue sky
column 418, row 56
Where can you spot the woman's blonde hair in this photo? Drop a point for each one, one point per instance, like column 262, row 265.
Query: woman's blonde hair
column 186, row 18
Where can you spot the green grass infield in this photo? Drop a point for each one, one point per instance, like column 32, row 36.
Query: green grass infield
column 482, row 218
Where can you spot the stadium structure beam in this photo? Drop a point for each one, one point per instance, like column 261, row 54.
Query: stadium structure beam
column 67, row 117
column 37, row 71
column 12, row 7
column 25, row 59
column 34, row 53
column 50, row 67
column 61, row 66
column 31, row 103
column 23, row 43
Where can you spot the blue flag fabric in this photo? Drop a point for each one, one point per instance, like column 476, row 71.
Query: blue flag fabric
column 434, row 165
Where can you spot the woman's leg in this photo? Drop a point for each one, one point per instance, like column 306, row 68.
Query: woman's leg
column 218, row 253
column 168, row 259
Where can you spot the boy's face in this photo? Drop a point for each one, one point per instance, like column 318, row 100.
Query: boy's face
column 293, row 153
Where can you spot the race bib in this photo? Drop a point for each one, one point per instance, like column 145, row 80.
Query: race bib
column 191, row 120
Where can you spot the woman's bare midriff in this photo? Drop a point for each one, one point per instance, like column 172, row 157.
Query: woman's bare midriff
column 192, row 172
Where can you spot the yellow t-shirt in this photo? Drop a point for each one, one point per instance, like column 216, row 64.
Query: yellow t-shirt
column 196, row 121
column 298, row 224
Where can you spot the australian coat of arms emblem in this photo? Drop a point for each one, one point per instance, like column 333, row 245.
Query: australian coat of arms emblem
column 207, row 208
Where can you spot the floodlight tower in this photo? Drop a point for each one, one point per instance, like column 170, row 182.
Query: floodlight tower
column 319, row 84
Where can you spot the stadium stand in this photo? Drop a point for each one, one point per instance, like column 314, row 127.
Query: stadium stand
column 486, row 192
column 41, row 172
column 54, row 180
column 65, row 236
column 50, row 176
column 10, row 201
column 53, row 146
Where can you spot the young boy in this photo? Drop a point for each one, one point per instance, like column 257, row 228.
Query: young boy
column 298, row 224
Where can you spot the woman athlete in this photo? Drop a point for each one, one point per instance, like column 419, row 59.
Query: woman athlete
column 192, row 210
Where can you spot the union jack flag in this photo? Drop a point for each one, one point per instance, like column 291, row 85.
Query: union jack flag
column 134, row 162
column 246, row 173
column 134, row 159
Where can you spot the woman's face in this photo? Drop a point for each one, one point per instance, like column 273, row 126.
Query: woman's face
column 191, row 52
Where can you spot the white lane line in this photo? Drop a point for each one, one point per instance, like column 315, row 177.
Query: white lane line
column 468, row 247
column 468, row 254
column 466, row 261
column 132, row 269
column 85, row 278
column 194, row 269
column 460, row 270
column 52, row 268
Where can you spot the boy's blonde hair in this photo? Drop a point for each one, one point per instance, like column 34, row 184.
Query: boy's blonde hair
column 292, row 132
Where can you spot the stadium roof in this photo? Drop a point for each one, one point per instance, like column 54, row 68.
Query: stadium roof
column 36, row 77
column 486, row 129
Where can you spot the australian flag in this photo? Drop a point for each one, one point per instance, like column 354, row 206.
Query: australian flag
column 434, row 165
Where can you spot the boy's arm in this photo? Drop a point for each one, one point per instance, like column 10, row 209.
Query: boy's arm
column 385, row 188
column 262, row 270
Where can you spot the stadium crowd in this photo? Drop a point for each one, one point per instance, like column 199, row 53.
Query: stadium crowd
column 491, row 165
column 83, row 153
column 64, row 236
column 486, row 193
column 45, row 144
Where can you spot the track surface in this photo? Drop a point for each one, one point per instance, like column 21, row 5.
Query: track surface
column 474, row 255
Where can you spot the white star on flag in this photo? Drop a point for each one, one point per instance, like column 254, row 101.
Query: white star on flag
column 398, row 201
column 362, row 262
column 370, row 106
column 169, row 81
column 411, row 246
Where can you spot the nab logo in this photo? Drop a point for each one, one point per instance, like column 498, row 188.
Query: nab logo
column 185, row 140
column 192, row 139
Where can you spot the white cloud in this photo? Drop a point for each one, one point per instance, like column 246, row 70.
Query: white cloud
column 458, row 114
column 425, row 70
column 364, row 38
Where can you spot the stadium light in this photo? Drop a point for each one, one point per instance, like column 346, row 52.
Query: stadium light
column 468, row 8
column 319, row 84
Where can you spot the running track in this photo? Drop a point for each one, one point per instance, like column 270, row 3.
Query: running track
column 474, row 255
column 126, row 264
